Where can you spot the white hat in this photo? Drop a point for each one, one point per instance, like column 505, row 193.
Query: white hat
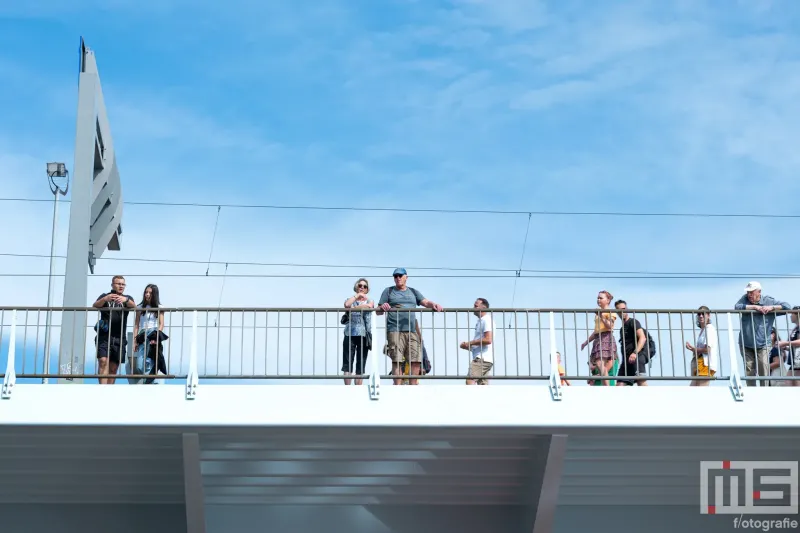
column 752, row 286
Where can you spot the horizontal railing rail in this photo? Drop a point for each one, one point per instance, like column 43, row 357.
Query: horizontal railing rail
column 288, row 344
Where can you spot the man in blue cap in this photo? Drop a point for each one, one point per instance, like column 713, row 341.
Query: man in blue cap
column 402, row 340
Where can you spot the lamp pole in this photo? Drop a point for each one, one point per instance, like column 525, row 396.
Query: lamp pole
column 58, row 179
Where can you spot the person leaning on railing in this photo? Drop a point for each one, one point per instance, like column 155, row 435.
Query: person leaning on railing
column 357, row 332
column 706, row 353
column 603, row 358
column 111, row 328
column 793, row 344
column 148, row 328
column 403, row 343
column 756, row 327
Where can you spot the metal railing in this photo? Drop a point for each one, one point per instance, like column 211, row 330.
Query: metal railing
column 290, row 344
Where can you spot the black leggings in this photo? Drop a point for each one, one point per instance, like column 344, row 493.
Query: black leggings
column 354, row 348
column 159, row 363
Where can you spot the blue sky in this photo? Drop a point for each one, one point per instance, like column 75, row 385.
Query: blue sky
column 648, row 106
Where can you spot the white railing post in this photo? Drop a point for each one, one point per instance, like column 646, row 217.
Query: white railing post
column 735, row 380
column 374, row 381
column 191, row 378
column 555, row 377
column 10, row 378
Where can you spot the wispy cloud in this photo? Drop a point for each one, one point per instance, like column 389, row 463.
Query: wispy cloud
column 575, row 106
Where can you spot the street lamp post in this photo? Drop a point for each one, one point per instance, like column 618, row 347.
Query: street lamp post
column 58, row 179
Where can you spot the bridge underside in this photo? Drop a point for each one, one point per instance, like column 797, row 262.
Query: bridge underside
column 353, row 479
column 418, row 459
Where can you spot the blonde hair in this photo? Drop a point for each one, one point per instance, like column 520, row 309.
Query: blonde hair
column 359, row 280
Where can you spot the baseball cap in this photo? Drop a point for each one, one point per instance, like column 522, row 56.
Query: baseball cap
column 752, row 286
column 399, row 272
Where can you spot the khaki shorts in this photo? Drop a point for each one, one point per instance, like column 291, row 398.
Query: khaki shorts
column 403, row 346
column 479, row 369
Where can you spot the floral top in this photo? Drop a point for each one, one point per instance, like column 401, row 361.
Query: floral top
column 356, row 326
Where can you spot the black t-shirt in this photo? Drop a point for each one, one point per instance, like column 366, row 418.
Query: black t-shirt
column 627, row 336
column 116, row 321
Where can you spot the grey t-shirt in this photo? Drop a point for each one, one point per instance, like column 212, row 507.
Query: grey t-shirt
column 407, row 299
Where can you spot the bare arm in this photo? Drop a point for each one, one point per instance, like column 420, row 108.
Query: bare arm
column 136, row 326
column 102, row 301
column 641, row 340
column 483, row 341
column 160, row 321
column 430, row 305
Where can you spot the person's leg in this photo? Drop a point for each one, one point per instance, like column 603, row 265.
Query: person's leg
column 414, row 356
column 605, row 370
column 102, row 361
column 114, row 359
column 749, row 364
column 640, row 367
column 694, row 382
column 364, row 357
column 395, row 349
column 474, row 371
column 763, row 364
column 347, row 358
column 358, row 357
column 625, row 370
column 485, row 368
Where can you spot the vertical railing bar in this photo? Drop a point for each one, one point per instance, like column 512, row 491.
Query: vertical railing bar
column 589, row 346
column 683, row 345
column 541, row 346
column 564, row 341
column 255, row 334
column 2, row 325
column 205, row 343
column 241, row 346
column 505, row 351
column 183, row 342
column 218, row 324
column 528, row 339
column 516, row 339
column 325, row 328
column 660, row 349
column 671, row 342
column 25, row 342
column 649, row 355
column 36, row 349
column 314, row 344
column 230, row 342
column 458, row 355
column 756, row 358
column 168, row 319
column 278, row 355
column 302, row 338
column 433, row 341
column 72, row 346
column 445, row 347
column 577, row 346
column 266, row 343
column 290, row 343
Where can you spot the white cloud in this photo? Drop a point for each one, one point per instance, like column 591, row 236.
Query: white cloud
column 455, row 126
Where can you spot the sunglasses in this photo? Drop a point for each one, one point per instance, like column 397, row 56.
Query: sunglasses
column 398, row 276
column 362, row 286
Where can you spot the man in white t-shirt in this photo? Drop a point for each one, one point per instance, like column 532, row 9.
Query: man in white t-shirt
column 480, row 345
